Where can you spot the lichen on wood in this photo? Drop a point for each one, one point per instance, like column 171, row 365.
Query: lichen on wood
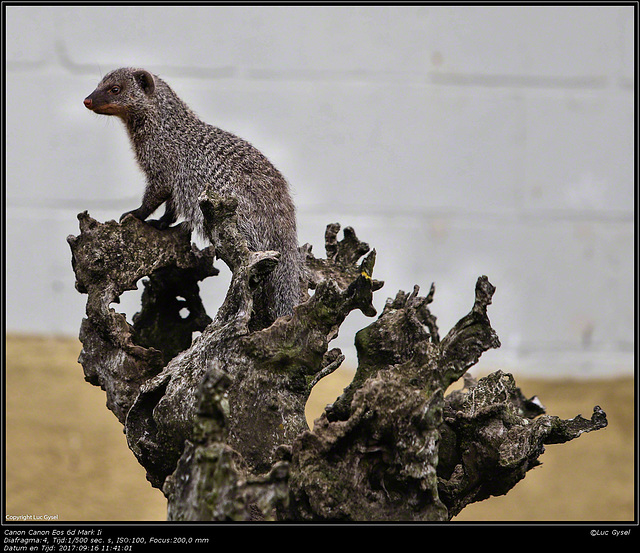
column 218, row 421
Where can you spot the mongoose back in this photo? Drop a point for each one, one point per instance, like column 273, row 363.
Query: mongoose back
column 180, row 155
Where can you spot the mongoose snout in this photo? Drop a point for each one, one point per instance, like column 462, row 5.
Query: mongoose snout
column 180, row 155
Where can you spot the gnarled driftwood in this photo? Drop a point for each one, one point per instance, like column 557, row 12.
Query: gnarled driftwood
column 218, row 422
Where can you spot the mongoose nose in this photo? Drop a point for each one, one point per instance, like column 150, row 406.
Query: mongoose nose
column 87, row 102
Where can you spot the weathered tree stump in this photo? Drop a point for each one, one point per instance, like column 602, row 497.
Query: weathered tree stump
column 218, row 422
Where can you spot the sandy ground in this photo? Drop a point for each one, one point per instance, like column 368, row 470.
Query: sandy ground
column 67, row 457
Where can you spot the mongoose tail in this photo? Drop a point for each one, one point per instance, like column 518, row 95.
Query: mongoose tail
column 180, row 155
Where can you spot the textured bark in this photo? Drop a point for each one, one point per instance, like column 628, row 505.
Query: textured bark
column 218, row 422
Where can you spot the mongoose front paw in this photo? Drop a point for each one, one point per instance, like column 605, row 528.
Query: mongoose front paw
column 158, row 223
column 134, row 213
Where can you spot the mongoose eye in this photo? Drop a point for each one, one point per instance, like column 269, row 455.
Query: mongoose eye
column 115, row 90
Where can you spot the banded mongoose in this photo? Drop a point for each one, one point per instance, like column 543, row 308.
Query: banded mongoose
column 180, row 154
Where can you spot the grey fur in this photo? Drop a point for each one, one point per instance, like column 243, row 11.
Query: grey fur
column 180, row 155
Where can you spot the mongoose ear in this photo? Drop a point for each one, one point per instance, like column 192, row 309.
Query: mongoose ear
column 146, row 81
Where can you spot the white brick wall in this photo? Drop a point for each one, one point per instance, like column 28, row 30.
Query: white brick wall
column 457, row 141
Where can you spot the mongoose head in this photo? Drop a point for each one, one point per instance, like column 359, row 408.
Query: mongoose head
column 121, row 92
